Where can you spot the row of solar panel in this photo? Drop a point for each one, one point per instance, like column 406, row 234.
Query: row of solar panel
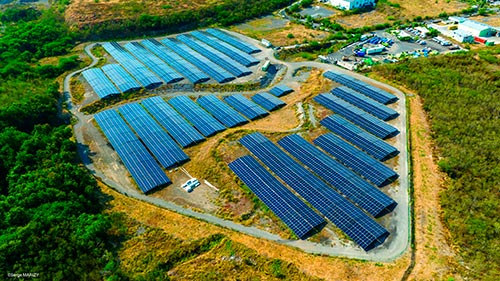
column 362, row 87
column 365, row 120
column 327, row 200
column 150, row 60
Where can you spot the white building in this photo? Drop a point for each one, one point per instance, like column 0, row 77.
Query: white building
column 351, row 4
column 475, row 28
column 462, row 36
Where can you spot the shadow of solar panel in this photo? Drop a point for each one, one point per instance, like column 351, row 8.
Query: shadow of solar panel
column 161, row 145
column 246, row 107
column 100, row 83
column 215, row 56
column 213, row 70
column 159, row 67
column 367, row 104
column 268, row 101
column 140, row 72
column 358, row 161
column 142, row 166
column 362, row 87
column 365, row 195
column 223, row 112
column 232, row 52
column 124, row 81
column 185, row 134
column 245, row 47
column 202, row 121
column 352, row 221
column 365, row 120
column 187, row 69
column 303, row 221
column 281, row 90
column 365, row 141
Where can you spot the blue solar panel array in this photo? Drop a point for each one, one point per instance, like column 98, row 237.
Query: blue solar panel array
column 268, row 101
column 246, row 107
column 239, row 56
column 213, row 70
column 214, row 55
column 187, row 69
column 101, row 84
column 140, row 72
column 185, row 134
column 142, row 166
column 223, row 112
column 281, row 90
column 353, row 134
column 245, row 47
column 368, row 197
column 202, row 121
column 362, row 87
column 161, row 145
column 291, row 210
column 357, row 160
column 163, row 70
column 368, row 122
column 124, row 81
column 367, row 104
column 359, row 226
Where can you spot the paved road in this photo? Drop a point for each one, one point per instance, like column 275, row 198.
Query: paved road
column 388, row 252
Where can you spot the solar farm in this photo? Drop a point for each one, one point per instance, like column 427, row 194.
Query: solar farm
column 196, row 57
column 338, row 179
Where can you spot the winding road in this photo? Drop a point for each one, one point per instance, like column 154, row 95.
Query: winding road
column 389, row 251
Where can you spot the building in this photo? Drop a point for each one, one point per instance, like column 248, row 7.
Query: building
column 475, row 28
column 463, row 36
column 352, row 4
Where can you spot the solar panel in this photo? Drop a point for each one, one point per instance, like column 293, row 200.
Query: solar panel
column 362, row 87
column 268, row 101
column 245, row 47
column 202, row 121
column 121, row 78
column 281, row 90
column 357, row 160
column 365, row 195
column 101, row 85
column 161, row 145
column 235, row 53
column 352, row 221
column 187, row 69
column 291, row 210
column 246, row 107
column 223, row 112
column 140, row 72
column 365, row 141
column 367, row 104
column 365, row 120
column 142, row 166
column 159, row 67
column 213, row 70
column 185, row 134
column 214, row 55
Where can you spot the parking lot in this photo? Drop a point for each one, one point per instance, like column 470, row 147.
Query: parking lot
column 395, row 49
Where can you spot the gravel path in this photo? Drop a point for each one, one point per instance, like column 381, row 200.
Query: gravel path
column 399, row 228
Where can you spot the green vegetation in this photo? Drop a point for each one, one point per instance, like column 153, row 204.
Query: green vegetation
column 460, row 93
column 50, row 215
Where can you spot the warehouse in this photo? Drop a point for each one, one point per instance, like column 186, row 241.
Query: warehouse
column 463, row 36
column 352, row 4
column 476, row 28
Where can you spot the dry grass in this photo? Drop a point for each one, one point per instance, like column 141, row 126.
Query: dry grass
column 82, row 12
column 407, row 10
column 493, row 20
column 279, row 35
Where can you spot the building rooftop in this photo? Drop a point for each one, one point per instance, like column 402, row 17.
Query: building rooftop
column 475, row 25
